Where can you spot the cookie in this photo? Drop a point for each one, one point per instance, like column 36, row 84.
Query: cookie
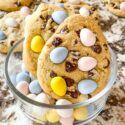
column 117, row 7
column 79, row 65
column 11, row 31
column 44, row 22
column 12, row 5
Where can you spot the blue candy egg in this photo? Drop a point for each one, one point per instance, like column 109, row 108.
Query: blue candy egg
column 59, row 16
column 13, row 80
column 60, row 5
column 23, row 76
column 58, row 55
column 2, row 35
column 87, row 86
column 34, row 87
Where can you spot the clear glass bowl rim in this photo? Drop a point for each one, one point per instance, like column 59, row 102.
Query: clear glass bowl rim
column 25, row 99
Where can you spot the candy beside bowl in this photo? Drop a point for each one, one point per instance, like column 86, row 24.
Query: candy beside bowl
column 43, row 109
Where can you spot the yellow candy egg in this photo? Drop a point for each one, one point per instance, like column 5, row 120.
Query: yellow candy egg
column 52, row 116
column 58, row 86
column 37, row 43
column 80, row 113
column 40, row 117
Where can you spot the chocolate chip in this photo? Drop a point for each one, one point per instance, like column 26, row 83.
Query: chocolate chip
column 73, row 94
column 18, row 3
column 53, row 74
column 75, row 42
column 75, row 55
column 12, row 43
column 105, row 46
column 97, row 48
column 57, row 41
column 48, row 17
column 52, row 30
column 41, row 16
column 64, row 30
column 89, row 96
column 106, row 64
column 78, row 33
column 43, row 26
column 70, row 66
column 70, row 82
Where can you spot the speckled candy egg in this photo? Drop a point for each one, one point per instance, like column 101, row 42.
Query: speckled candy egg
column 23, row 87
column 59, row 16
column 58, row 55
column 122, row 6
column 11, row 22
column 87, row 86
column 87, row 37
column 2, row 35
column 24, row 11
column 65, row 113
column 84, row 12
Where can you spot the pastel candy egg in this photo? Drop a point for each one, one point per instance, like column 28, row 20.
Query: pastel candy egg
column 74, row 1
column 122, row 6
column 37, row 44
column 84, row 12
column 40, row 117
column 67, row 121
column 87, row 37
column 34, row 87
column 25, row 11
column 11, row 22
column 52, row 116
column 2, row 35
column 23, row 76
column 59, row 16
column 80, row 113
column 23, row 87
column 13, row 80
column 87, row 63
column 58, row 55
column 31, row 96
column 65, row 113
column 58, row 86
column 60, row 5
column 87, row 86
column 43, row 98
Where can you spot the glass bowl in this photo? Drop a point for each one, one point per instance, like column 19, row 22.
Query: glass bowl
column 34, row 110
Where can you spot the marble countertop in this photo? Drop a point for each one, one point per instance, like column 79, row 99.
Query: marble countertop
column 114, row 112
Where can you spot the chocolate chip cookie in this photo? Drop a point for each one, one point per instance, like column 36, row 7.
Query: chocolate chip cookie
column 12, row 5
column 11, row 31
column 44, row 23
column 75, row 61
column 117, row 7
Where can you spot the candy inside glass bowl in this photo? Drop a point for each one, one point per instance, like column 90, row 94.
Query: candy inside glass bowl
column 42, row 113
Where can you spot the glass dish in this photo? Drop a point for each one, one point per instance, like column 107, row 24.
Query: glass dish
column 33, row 109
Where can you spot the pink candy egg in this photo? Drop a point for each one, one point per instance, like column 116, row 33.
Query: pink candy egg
column 23, row 87
column 67, row 121
column 74, row 1
column 65, row 113
column 87, row 63
column 122, row 6
column 25, row 11
column 87, row 37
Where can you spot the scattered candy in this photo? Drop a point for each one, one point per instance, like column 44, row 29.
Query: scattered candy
column 87, row 63
column 34, row 87
column 84, row 12
column 2, row 35
column 87, row 37
column 58, row 55
column 59, row 16
column 13, row 80
column 52, row 116
column 23, row 87
column 58, row 86
column 11, row 22
column 31, row 96
column 67, row 121
column 122, row 6
column 37, row 44
column 25, row 11
column 87, row 86
column 23, row 76
column 74, row 1
column 80, row 113
column 65, row 113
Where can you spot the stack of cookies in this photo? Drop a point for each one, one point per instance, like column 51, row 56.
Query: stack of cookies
column 64, row 49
